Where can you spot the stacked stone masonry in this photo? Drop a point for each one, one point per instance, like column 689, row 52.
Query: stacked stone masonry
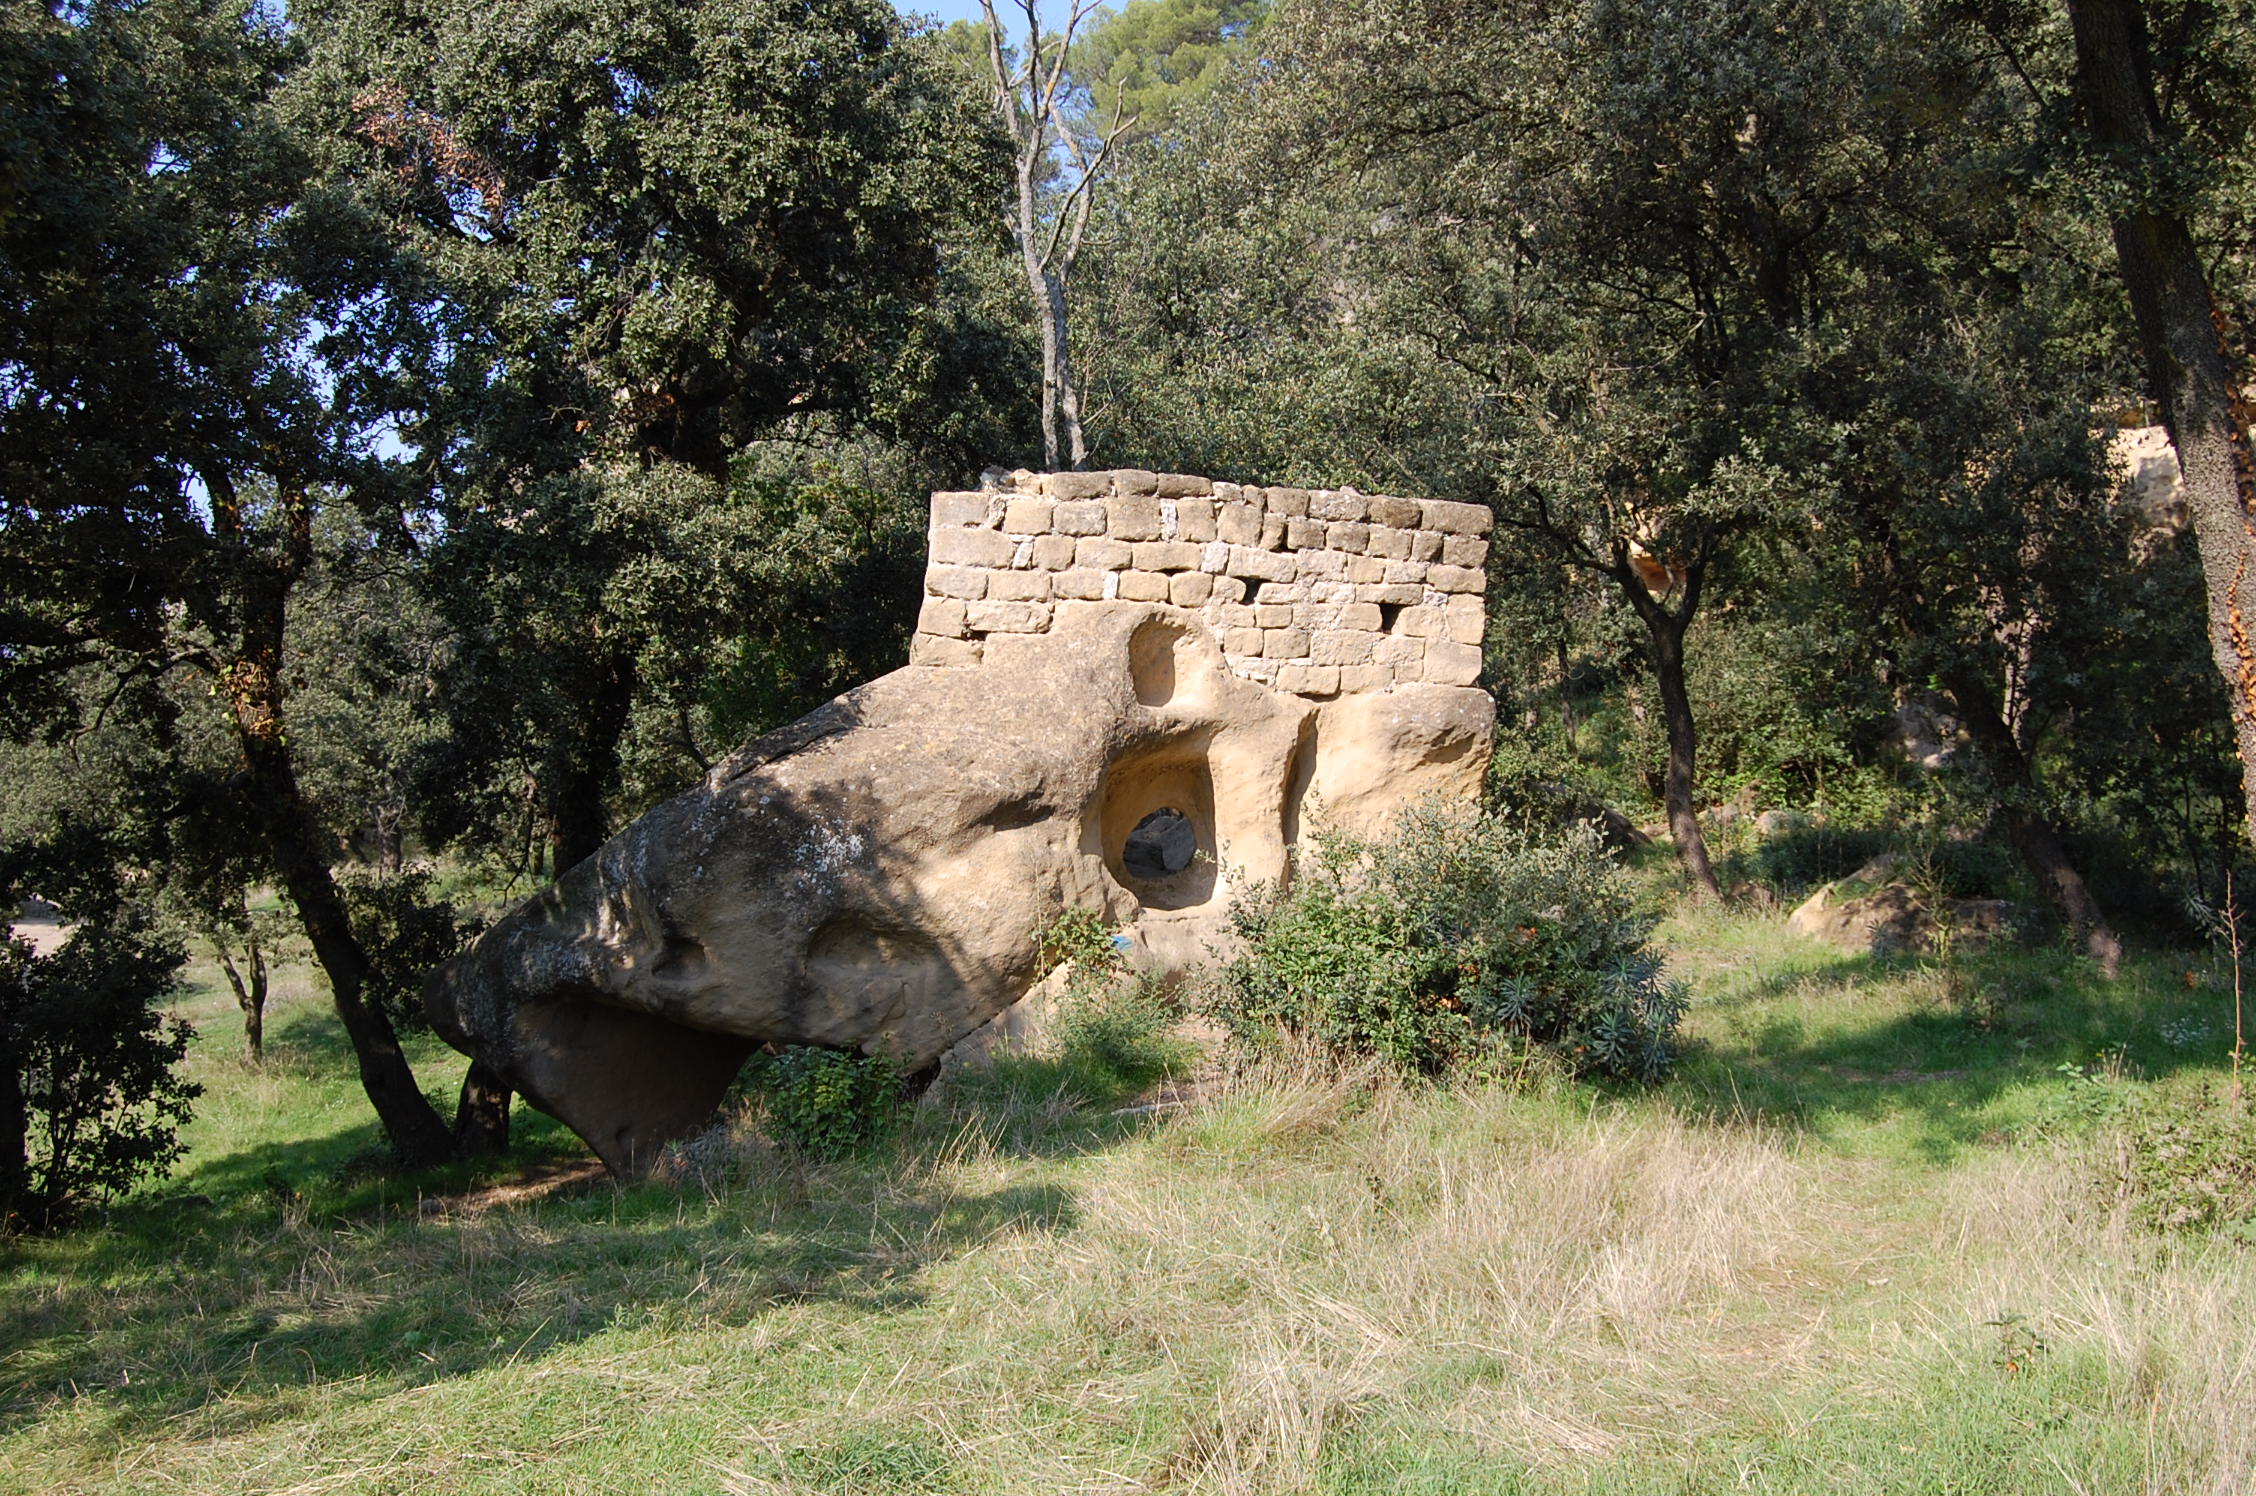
column 1314, row 591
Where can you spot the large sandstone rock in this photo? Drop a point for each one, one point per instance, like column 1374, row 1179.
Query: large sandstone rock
column 871, row 877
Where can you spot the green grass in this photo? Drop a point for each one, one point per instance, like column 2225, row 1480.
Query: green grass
column 1866, row 1241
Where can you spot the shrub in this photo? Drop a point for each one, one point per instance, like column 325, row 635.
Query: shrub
column 1453, row 939
column 2192, row 1167
column 89, row 1101
column 1115, row 1027
column 825, row 1101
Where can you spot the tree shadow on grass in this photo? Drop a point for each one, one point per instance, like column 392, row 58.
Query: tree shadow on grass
column 276, row 1270
column 1952, row 1039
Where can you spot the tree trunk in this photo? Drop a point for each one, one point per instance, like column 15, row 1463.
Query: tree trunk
column 2034, row 838
column 1566, row 700
column 15, row 1144
column 481, row 1117
column 1683, row 753
column 417, row 1133
column 1665, row 630
column 250, row 995
column 579, row 814
column 2188, row 363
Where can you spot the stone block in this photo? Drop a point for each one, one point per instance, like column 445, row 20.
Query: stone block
column 1182, row 485
column 1449, row 664
column 1077, row 485
column 1456, row 579
column 1101, row 553
column 1144, row 586
column 1284, row 644
column 1273, row 530
column 1425, row 545
column 1080, row 583
column 1467, row 621
column 1304, row 534
column 1188, row 589
column 1245, row 641
column 1232, row 615
column 1264, row 671
column 1341, row 647
column 1290, row 502
column 1407, row 573
column 1135, row 482
column 1309, row 680
column 1337, row 504
column 966, row 582
column 1025, row 516
column 933, row 649
column 1366, row 569
column 1464, row 550
column 1348, row 536
column 1133, row 518
column 1268, row 566
column 1019, row 587
column 1166, row 555
column 1362, row 616
column 1401, row 514
column 959, row 509
column 1008, row 618
column 942, row 615
column 989, row 548
column 1321, row 564
column 1366, row 677
column 1079, row 517
column 1422, row 622
column 1399, row 651
column 1392, row 593
column 1280, row 592
column 1214, row 556
column 1239, row 523
column 1389, row 542
column 1229, row 589
column 1053, row 552
column 1194, row 520
column 1273, row 615
column 1456, row 519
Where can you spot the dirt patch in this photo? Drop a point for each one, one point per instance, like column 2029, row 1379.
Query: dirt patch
column 41, row 924
column 547, row 1181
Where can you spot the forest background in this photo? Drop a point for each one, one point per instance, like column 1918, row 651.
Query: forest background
column 432, row 434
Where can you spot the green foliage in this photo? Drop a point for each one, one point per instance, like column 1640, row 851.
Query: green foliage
column 825, row 1102
column 1153, row 61
column 1451, row 938
column 90, row 1103
column 2191, row 1165
column 1115, row 1026
column 405, row 928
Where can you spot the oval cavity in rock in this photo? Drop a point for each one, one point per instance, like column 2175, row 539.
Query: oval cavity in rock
column 1162, row 845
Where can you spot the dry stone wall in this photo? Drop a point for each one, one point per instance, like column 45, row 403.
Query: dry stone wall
column 1315, row 591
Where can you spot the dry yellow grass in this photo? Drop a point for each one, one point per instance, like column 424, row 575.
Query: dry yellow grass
column 1308, row 1280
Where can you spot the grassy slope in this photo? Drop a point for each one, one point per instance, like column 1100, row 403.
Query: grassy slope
column 1822, row 1260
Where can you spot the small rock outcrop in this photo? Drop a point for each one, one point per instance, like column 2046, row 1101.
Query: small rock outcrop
column 1895, row 918
column 1094, row 716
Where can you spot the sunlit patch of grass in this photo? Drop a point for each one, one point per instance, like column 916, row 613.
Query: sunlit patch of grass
column 1859, row 1245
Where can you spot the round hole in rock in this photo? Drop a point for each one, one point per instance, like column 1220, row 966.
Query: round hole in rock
column 1161, row 845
